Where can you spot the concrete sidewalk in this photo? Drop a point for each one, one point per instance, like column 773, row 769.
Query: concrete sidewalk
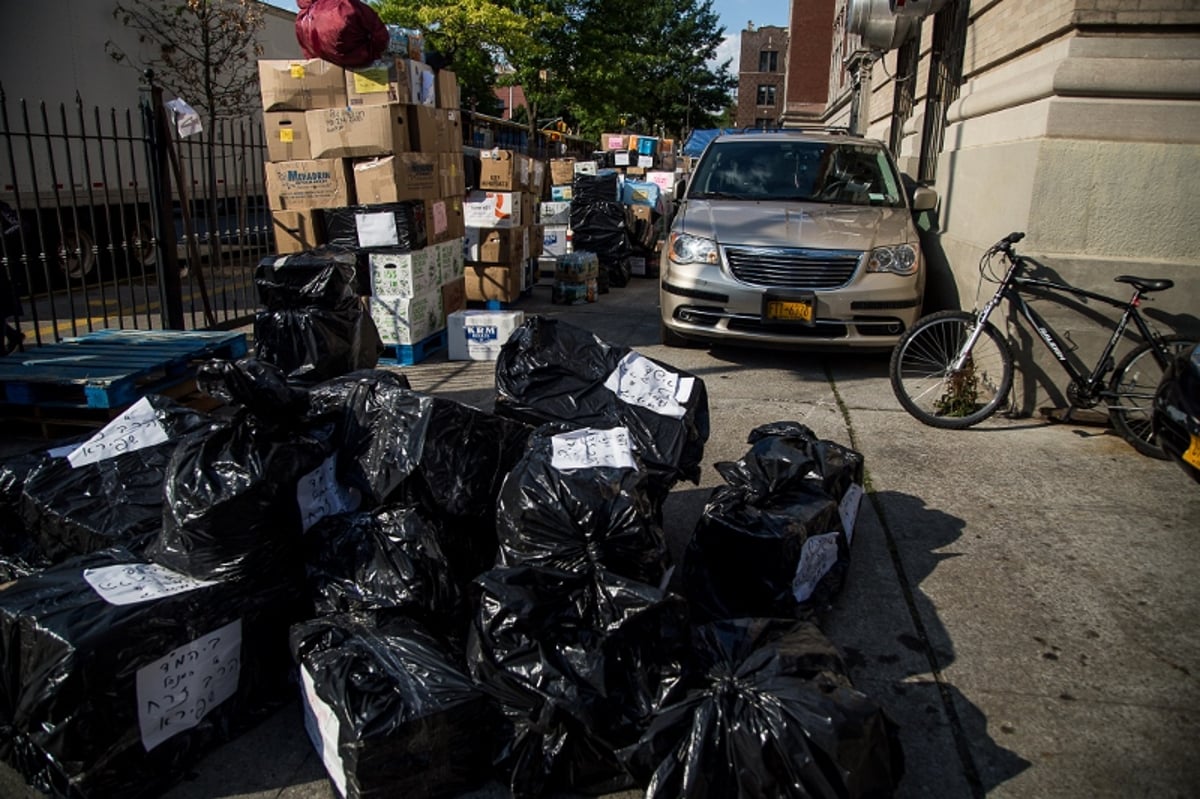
column 1022, row 596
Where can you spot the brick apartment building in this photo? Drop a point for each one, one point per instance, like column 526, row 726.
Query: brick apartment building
column 761, row 74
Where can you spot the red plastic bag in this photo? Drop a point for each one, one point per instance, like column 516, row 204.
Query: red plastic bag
column 344, row 32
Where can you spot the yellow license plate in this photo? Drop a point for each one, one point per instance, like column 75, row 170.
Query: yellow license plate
column 789, row 310
column 1192, row 453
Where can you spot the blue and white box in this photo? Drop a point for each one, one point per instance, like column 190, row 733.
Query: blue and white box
column 475, row 335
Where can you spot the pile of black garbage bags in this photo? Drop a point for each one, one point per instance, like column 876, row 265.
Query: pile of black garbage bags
column 458, row 597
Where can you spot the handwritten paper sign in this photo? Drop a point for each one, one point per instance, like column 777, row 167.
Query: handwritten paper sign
column 817, row 557
column 134, row 429
column 130, row 583
column 848, row 510
column 589, row 448
column 322, row 726
column 175, row 692
column 640, row 381
column 320, row 494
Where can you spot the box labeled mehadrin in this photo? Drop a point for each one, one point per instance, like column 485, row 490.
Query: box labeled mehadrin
column 479, row 335
column 300, row 84
column 299, row 185
column 358, row 132
column 403, row 274
column 392, row 178
column 492, row 209
column 287, row 136
column 408, row 320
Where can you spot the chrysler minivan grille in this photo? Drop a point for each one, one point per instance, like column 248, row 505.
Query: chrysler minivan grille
column 792, row 268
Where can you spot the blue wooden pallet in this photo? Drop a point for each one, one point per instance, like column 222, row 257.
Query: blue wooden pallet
column 409, row 354
column 111, row 368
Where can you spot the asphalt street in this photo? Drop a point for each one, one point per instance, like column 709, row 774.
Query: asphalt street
column 1022, row 596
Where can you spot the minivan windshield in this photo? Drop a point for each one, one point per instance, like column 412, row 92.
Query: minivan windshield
column 753, row 168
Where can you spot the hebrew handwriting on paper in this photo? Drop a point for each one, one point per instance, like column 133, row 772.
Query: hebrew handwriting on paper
column 130, row 583
column 589, row 449
column 637, row 380
column 134, row 429
column 176, row 692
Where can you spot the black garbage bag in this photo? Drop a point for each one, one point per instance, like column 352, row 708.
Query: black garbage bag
column 398, row 227
column 387, row 562
column 552, row 371
column 323, row 278
column 257, row 386
column 578, row 662
column 19, row 554
column 312, row 344
column 240, row 493
column 603, row 228
column 409, row 722
column 116, row 676
column 578, row 501
column 775, row 541
column 587, row 189
column 766, row 711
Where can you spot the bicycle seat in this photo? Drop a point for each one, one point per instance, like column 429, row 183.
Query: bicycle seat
column 1145, row 284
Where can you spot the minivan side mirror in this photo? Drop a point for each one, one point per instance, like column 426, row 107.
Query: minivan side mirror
column 924, row 199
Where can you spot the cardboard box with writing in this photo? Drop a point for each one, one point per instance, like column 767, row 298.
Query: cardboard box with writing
column 296, row 231
column 300, row 185
column 300, row 84
column 408, row 320
column 552, row 212
column 392, row 178
column 287, row 136
column 358, row 132
column 500, row 283
column 379, row 83
column 614, row 141
column 394, row 273
column 562, row 171
column 554, row 240
column 478, row 335
column 502, row 170
column 492, row 209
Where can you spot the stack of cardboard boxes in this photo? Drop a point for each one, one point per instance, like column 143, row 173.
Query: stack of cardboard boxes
column 643, row 160
column 379, row 150
column 504, row 237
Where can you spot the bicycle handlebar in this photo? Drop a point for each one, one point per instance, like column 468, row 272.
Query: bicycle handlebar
column 1005, row 244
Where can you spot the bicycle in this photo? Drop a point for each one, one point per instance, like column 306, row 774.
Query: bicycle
column 954, row 369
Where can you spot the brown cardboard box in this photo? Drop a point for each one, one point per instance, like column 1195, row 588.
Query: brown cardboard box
column 451, row 177
column 454, row 295
column 300, row 185
column 498, row 170
column 392, row 178
column 300, row 84
column 562, row 171
column 296, row 231
column 444, row 219
column 358, row 132
column 423, row 129
column 614, row 141
column 502, row 283
column 387, row 80
column 496, row 245
column 492, row 209
column 536, row 240
column 642, row 212
column 446, row 89
column 450, row 130
column 287, row 136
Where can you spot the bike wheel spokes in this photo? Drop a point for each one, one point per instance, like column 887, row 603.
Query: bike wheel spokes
column 931, row 390
column 1131, row 400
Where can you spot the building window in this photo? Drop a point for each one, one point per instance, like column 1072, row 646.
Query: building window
column 763, row 123
column 768, row 61
column 766, row 95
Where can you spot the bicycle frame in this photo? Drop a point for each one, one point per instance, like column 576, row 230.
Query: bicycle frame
column 1011, row 288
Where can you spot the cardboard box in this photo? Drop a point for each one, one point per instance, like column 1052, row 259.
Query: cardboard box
column 450, row 258
column 454, row 295
column 452, row 176
column 424, row 129
column 358, row 132
column 495, row 245
column 300, row 185
column 379, row 83
column 300, row 84
column 537, row 177
column 287, row 136
column 392, row 178
column 450, row 130
column 664, row 180
column 644, row 212
column 554, row 240
column 408, row 320
column 500, row 283
column 479, row 335
column 503, row 170
column 537, row 244
column 552, row 212
column 423, row 83
column 402, row 274
column 614, row 141
column 296, row 231
column 446, row 89
column 586, row 167
column 561, row 194
column 485, row 209
column 444, row 220
column 562, row 171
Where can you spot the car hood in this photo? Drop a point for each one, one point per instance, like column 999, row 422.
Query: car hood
column 791, row 224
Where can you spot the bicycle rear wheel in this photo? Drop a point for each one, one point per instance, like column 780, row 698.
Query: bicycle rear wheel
column 1134, row 381
column 927, row 388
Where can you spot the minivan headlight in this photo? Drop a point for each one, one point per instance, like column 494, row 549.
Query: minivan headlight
column 687, row 249
column 900, row 259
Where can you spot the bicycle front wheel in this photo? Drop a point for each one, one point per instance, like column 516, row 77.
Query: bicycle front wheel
column 931, row 391
column 1131, row 402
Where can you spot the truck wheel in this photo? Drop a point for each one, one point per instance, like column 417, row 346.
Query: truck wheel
column 77, row 257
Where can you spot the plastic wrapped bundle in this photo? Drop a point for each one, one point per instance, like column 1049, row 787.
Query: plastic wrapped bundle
column 390, row 711
column 119, row 675
column 578, row 663
column 348, row 33
column 603, row 228
column 400, row 227
column 552, row 371
column 386, row 562
column 322, row 278
column 313, row 344
column 766, row 710
column 775, row 541
column 578, row 502
column 602, row 188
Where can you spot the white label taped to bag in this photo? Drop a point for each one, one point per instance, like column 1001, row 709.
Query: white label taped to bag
column 589, row 448
column 817, row 557
column 376, row 230
column 322, row 726
column 136, row 428
column 176, row 692
column 130, row 583
column 319, row 494
column 848, row 509
column 638, row 380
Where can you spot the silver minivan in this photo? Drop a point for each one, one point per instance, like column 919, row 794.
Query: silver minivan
column 796, row 238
